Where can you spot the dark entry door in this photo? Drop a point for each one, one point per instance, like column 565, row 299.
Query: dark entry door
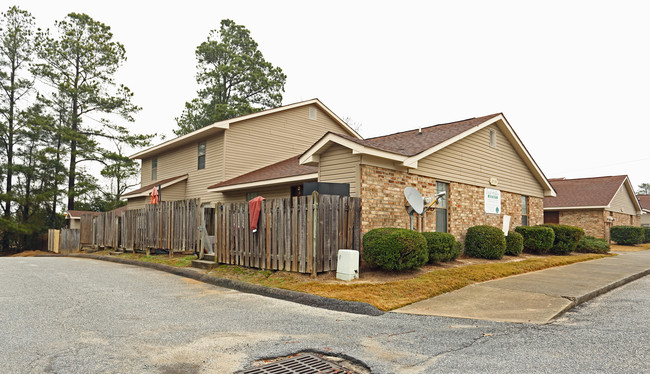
column 552, row 217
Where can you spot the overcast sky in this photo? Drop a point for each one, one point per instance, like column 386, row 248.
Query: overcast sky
column 571, row 77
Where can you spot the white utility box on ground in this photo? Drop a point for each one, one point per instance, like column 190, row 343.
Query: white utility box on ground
column 347, row 267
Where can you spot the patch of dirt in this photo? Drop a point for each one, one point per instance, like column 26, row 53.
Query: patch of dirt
column 31, row 253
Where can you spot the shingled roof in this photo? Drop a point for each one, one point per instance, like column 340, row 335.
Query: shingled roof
column 413, row 142
column 595, row 192
column 644, row 201
column 283, row 169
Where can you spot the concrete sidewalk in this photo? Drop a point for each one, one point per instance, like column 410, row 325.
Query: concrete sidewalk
column 536, row 297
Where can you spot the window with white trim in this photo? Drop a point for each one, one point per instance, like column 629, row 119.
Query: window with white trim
column 201, row 161
column 154, row 168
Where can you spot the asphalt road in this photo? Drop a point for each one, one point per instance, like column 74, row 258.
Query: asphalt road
column 71, row 315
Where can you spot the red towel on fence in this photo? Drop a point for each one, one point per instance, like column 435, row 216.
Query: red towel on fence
column 254, row 207
column 154, row 196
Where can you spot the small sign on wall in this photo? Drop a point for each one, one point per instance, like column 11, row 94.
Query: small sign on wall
column 492, row 201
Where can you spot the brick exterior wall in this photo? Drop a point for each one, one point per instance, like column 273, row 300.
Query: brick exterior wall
column 467, row 209
column 382, row 198
column 383, row 203
column 590, row 220
column 593, row 221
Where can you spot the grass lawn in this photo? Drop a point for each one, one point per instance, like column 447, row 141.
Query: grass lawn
column 629, row 248
column 397, row 293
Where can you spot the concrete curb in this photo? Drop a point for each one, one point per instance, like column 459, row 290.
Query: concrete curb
column 575, row 301
column 277, row 293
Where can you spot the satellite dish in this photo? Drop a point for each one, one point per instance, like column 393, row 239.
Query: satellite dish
column 414, row 198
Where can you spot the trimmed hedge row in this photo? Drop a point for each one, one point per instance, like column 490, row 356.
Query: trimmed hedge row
column 514, row 243
column 442, row 247
column 627, row 235
column 646, row 234
column 395, row 249
column 537, row 239
column 566, row 238
column 485, row 242
column 589, row 244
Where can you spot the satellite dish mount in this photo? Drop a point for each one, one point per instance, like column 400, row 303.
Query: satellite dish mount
column 419, row 204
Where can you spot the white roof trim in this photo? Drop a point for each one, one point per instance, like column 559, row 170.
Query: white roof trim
column 147, row 193
column 630, row 190
column 215, row 127
column 224, row 125
column 268, row 182
column 312, row 154
column 575, row 207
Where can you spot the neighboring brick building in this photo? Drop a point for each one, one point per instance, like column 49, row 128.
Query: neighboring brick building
column 644, row 201
column 594, row 204
column 467, row 159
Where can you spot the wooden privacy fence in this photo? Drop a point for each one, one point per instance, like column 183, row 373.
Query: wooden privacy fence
column 63, row 241
column 300, row 234
column 171, row 225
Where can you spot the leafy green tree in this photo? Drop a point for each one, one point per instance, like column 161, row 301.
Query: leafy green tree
column 234, row 77
column 644, row 189
column 79, row 63
column 34, row 172
column 16, row 52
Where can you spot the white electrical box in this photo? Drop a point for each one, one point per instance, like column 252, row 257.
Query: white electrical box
column 347, row 267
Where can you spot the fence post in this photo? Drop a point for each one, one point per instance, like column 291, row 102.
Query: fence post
column 315, row 235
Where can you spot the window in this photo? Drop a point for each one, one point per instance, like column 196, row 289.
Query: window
column 251, row 195
column 524, row 210
column 441, row 210
column 154, row 168
column 493, row 138
column 201, row 155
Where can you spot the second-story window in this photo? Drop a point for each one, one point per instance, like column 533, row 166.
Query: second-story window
column 154, row 168
column 201, row 155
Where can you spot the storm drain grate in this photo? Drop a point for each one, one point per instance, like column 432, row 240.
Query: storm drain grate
column 301, row 364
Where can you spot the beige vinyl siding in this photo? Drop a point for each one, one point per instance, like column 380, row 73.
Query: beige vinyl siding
column 184, row 160
column 145, row 172
column 622, row 202
column 265, row 140
column 645, row 220
column 273, row 192
column 381, row 162
column 472, row 161
column 175, row 191
column 338, row 165
column 137, row 202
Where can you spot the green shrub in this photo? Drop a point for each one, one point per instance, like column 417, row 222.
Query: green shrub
column 537, row 239
column 485, row 242
column 589, row 244
column 627, row 235
column 646, row 234
column 566, row 238
column 395, row 249
column 442, row 247
column 514, row 243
